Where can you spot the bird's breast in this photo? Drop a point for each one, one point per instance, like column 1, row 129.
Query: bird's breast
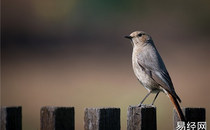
column 142, row 76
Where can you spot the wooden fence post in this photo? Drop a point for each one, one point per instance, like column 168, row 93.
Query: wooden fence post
column 102, row 119
column 193, row 116
column 141, row 118
column 11, row 118
column 57, row 118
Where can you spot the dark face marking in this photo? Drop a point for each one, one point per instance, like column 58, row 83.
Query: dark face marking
column 140, row 34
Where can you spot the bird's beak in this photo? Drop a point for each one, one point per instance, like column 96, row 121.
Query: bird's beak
column 129, row 37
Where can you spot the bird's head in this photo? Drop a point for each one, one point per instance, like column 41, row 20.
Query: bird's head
column 139, row 38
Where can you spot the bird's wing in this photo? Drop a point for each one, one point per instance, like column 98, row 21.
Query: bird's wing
column 153, row 65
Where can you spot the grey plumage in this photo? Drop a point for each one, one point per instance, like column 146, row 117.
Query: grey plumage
column 149, row 68
column 152, row 64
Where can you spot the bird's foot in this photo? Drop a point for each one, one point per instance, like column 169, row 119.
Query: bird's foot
column 145, row 105
column 140, row 105
column 151, row 104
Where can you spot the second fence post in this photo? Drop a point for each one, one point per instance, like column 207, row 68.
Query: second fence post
column 102, row 119
column 141, row 118
column 57, row 118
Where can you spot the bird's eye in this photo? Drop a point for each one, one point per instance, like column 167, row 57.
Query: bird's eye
column 140, row 34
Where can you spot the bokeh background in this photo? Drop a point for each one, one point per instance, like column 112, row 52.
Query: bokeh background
column 72, row 53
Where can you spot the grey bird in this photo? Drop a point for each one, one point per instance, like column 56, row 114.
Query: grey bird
column 150, row 70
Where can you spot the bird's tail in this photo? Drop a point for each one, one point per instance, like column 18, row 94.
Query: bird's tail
column 177, row 107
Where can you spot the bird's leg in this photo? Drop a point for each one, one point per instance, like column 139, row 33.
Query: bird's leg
column 155, row 98
column 144, row 98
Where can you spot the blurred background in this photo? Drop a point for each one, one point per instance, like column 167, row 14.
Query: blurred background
column 72, row 53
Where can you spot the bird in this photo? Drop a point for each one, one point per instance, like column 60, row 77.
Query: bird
column 150, row 69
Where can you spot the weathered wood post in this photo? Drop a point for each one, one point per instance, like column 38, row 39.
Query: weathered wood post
column 141, row 118
column 102, row 119
column 11, row 118
column 195, row 117
column 57, row 118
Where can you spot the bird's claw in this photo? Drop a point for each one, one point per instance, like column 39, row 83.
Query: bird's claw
column 140, row 105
